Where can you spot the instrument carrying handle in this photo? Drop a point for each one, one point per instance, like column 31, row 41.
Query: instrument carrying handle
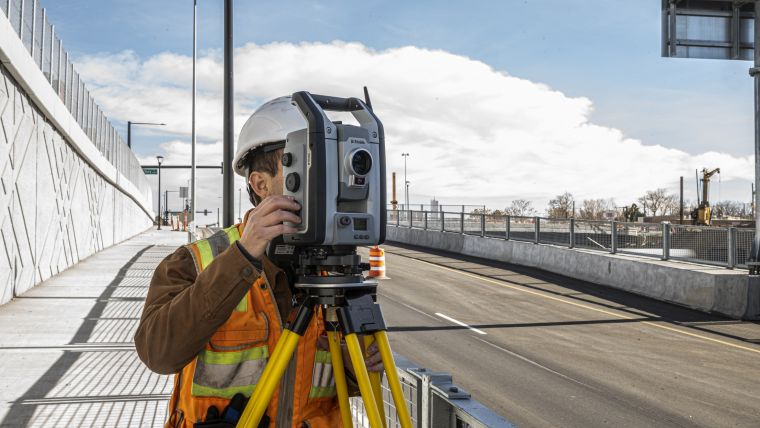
column 331, row 103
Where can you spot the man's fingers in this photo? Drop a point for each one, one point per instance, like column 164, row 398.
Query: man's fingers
column 373, row 359
column 272, row 232
column 274, row 203
column 277, row 217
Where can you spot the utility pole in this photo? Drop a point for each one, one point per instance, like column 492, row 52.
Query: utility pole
column 129, row 129
column 229, row 179
column 406, row 183
column 191, row 230
column 755, row 73
column 159, row 159
column 680, row 204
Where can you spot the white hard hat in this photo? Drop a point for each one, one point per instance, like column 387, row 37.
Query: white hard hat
column 270, row 123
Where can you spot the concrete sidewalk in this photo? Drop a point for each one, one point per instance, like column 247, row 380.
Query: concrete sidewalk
column 66, row 346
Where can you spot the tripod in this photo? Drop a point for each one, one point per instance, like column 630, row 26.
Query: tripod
column 350, row 307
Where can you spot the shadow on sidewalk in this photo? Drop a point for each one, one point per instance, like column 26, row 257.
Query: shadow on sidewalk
column 110, row 361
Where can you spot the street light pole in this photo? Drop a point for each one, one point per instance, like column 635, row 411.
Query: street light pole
column 129, row 129
column 159, row 159
column 406, row 183
column 191, row 230
column 228, row 201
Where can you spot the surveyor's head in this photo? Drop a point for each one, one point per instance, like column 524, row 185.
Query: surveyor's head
column 261, row 144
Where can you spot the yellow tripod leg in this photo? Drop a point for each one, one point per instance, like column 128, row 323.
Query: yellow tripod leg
column 390, row 371
column 339, row 372
column 357, row 359
column 272, row 374
column 375, row 379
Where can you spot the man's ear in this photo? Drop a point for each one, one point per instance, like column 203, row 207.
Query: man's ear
column 259, row 183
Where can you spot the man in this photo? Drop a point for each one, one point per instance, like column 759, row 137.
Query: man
column 216, row 308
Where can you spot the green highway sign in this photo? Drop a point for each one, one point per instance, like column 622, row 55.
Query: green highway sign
column 150, row 171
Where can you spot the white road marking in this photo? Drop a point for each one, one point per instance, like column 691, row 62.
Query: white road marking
column 448, row 318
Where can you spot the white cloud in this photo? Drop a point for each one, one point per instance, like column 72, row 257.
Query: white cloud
column 475, row 134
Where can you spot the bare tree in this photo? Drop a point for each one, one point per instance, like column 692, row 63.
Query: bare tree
column 729, row 209
column 594, row 209
column 520, row 207
column 561, row 206
column 657, row 201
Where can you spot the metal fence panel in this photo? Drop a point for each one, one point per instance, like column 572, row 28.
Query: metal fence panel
column 15, row 16
column 593, row 234
column 554, row 231
column 699, row 243
column 26, row 26
column 642, row 239
column 452, row 222
column 522, row 228
column 472, row 224
column 744, row 239
column 38, row 33
column 496, row 226
column 47, row 48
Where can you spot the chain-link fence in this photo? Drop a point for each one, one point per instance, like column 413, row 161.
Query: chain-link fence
column 722, row 246
column 30, row 23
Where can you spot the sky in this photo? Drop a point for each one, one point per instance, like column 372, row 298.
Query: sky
column 494, row 100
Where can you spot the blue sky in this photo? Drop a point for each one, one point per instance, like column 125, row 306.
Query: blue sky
column 605, row 50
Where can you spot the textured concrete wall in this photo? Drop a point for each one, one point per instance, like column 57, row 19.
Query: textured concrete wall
column 706, row 288
column 55, row 208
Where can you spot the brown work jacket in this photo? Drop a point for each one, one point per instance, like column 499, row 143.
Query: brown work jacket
column 183, row 310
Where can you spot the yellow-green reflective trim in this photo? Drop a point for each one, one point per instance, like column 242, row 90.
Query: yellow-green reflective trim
column 321, row 391
column 233, row 234
column 323, row 357
column 228, row 393
column 242, row 306
column 235, row 357
column 206, row 255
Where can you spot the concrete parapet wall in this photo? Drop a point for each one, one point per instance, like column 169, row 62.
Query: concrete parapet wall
column 55, row 207
column 705, row 288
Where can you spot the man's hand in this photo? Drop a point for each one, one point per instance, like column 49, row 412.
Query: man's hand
column 372, row 359
column 266, row 223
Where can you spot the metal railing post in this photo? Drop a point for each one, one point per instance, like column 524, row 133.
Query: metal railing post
column 443, row 221
column 665, row 240
column 482, row 225
column 537, row 229
column 572, row 233
column 410, row 214
column 613, row 237
column 509, row 219
column 731, row 247
column 461, row 222
column 425, row 213
column 398, row 218
column 20, row 20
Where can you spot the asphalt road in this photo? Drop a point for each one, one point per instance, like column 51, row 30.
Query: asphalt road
column 545, row 350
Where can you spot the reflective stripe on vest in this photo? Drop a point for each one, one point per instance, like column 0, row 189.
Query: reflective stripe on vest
column 322, row 381
column 223, row 374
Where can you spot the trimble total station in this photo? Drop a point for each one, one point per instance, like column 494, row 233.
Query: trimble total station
column 336, row 172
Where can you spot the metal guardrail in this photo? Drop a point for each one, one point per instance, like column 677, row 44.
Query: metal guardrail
column 433, row 401
column 30, row 23
column 720, row 246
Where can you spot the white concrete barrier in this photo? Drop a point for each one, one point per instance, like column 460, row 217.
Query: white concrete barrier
column 705, row 288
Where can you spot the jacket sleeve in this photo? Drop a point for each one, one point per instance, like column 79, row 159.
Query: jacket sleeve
column 183, row 309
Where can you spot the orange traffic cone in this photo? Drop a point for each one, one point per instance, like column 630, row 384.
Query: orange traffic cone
column 377, row 263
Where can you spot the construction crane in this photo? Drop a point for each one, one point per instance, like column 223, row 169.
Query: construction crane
column 702, row 215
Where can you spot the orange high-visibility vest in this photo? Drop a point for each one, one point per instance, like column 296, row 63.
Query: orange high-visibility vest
column 233, row 360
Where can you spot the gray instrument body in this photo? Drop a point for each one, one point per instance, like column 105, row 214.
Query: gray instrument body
column 337, row 173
